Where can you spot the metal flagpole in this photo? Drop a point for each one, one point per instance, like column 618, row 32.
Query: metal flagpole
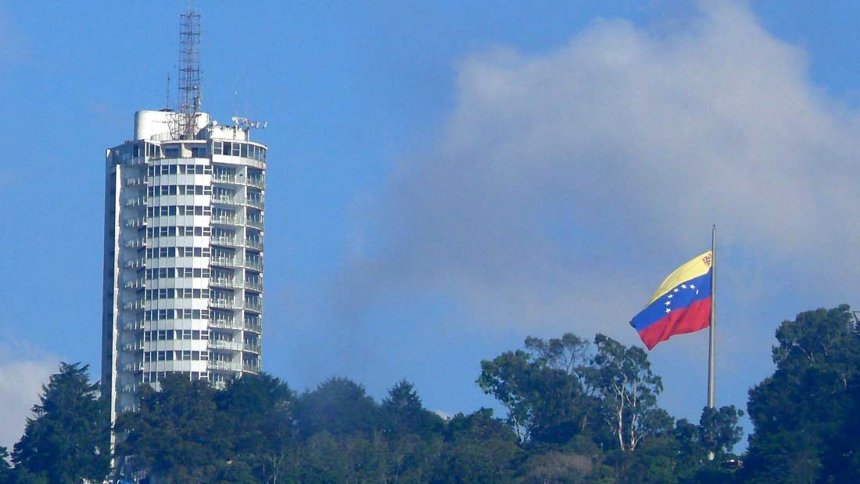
column 712, row 330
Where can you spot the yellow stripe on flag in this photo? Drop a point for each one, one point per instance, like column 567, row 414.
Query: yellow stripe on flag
column 698, row 266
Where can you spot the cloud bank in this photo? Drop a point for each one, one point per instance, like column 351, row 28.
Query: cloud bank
column 564, row 184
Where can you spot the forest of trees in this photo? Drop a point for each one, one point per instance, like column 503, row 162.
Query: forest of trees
column 574, row 411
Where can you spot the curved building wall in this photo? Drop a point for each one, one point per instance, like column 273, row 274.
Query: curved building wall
column 183, row 260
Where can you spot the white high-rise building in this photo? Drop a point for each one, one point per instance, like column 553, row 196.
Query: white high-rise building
column 183, row 273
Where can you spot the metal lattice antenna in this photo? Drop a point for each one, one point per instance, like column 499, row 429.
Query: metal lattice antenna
column 189, row 74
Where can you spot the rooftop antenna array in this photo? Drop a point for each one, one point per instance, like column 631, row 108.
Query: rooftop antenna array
column 189, row 74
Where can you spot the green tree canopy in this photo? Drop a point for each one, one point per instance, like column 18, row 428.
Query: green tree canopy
column 806, row 414
column 68, row 438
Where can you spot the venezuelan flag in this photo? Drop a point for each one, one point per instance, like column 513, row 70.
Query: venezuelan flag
column 682, row 303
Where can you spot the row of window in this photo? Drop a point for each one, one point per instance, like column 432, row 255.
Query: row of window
column 245, row 150
column 180, row 293
column 186, row 355
column 172, row 272
column 157, row 252
column 170, row 210
column 166, row 314
column 171, row 334
column 148, row 149
column 154, row 376
column 180, row 231
column 157, row 190
column 179, row 170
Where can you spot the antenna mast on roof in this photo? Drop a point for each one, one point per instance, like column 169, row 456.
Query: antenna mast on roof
column 189, row 74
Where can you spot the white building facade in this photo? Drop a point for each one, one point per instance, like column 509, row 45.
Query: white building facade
column 183, row 274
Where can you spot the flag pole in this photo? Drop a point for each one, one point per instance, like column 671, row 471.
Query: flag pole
column 712, row 328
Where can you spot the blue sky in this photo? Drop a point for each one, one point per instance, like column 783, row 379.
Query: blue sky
column 447, row 178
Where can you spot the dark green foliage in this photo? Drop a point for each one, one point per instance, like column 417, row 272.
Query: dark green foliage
column 542, row 388
column 719, row 430
column 628, row 391
column 576, row 412
column 479, row 448
column 556, row 389
column 257, row 413
column 403, row 414
column 5, row 468
column 176, row 433
column 806, row 414
column 67, row 439
column 338, row 406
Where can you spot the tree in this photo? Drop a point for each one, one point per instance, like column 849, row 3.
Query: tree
column 68, row 438
column 541, row 388
column 805, row 415
column 5, row 469
column 339, row 406
column 719, row 430
column 258, row 409
column 628, row 390
column 403, row 413
column 478, row 448
column 176, row 433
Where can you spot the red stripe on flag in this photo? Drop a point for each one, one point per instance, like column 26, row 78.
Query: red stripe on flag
column 694, row 317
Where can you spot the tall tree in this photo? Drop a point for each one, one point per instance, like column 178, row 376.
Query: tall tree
column 805, row 415
column 176, row 433
column 403, row 413
column 68, row 438
column 541, row 388
column 622, row 377
column 719, row 430
column 258, row 409
column 339, row 406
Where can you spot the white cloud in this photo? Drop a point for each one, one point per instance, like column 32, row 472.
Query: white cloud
column 22, row 374
column 566, row 183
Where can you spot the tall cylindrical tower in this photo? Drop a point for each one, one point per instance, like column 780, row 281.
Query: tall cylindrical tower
column 183, row 254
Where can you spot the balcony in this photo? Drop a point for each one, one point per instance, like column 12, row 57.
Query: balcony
column 136, row 222
column 256, row 223
column 136, row 243
column 224, row 365
column 254, row 348
column 255, row 327
column 225, row 324
column 132, row 367
column 134, row 305
column 257, row 181
column 226, row 282
column 255, row 203
column 133, row 326
column 225, row 345
column 134, row 284
column 227, row 200
column 223, row 240
column 254, row 306
column 225, row 303
column 136, row 202
column 225, row 178
column 130, row 388
column 222, row 261
column 135, row 181
column 254, row 285
column 251, row 368
column 256, row 264
column 226, row 220
column 136, row 346
column 254, row 243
